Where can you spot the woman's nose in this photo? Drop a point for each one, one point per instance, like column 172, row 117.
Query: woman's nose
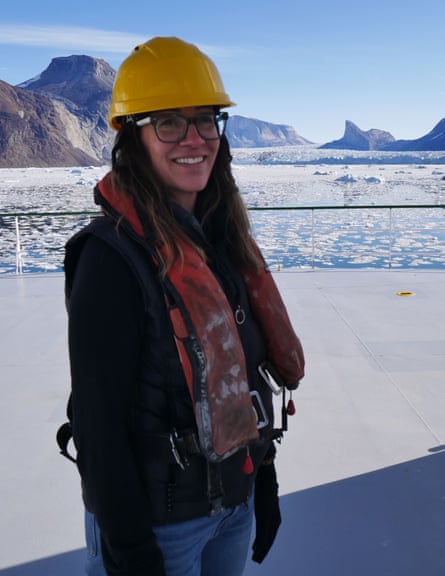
column 192, row 135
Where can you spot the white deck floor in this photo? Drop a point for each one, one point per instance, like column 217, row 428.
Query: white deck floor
column 362, row 469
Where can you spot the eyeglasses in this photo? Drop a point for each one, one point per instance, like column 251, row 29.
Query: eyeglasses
column 172, row 127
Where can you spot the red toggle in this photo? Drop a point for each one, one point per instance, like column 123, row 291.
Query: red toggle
column 248, row 465
column 291, row 407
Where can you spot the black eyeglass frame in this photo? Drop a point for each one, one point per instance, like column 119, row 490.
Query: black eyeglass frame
column 219, row 118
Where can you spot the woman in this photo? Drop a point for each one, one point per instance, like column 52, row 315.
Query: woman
column 168, row 325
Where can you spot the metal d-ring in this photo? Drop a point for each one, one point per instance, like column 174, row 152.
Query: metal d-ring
column 240, row 316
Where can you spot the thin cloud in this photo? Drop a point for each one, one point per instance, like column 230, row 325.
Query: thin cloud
column 69, row 37
column 88, row 39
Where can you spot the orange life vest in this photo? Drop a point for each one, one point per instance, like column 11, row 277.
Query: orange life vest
column 208, row 342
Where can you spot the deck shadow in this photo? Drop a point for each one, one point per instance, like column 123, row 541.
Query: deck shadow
column 389, row 522
column 68, row 564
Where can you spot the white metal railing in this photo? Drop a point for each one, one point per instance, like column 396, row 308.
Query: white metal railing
column 312, row 227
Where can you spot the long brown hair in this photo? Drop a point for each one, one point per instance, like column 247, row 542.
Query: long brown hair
column 219, row 205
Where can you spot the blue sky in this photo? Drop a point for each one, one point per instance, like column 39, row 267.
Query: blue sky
column 311, row 64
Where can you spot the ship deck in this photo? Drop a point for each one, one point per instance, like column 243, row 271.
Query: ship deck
column 361, row 469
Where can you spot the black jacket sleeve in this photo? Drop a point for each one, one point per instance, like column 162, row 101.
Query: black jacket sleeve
column 106, row 326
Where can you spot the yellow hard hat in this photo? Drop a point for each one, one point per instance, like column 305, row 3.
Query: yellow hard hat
column 165, row 73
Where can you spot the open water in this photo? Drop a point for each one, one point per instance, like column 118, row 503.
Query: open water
column 309, row 209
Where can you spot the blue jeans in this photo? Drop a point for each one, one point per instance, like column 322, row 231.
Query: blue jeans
column 206, row 546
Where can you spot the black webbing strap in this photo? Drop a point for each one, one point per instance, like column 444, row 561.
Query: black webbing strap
column 215, row 491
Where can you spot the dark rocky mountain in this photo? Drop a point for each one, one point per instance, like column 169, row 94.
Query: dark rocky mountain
column 251, row 133
column 82, row 85
column 80, row 80
column 356, row 139
column 434, row 140
column 59, row 118
column 38, row 131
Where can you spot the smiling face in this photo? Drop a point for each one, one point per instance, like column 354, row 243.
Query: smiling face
column 185, row 166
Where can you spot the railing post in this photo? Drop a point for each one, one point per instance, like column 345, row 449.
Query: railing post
column 18, row 249
column 313, row 238
column 390, row 238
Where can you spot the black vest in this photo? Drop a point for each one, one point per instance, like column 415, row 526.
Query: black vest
column 180, row 483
